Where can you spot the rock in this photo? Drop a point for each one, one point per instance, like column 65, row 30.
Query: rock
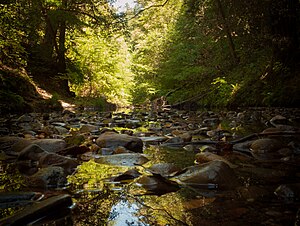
column 7, row 143
column 31, row 152
column 40, row 210
column 113, row 140
column 50, row 177
column 288, row 192
column 214, row 172
column 252, row 193
column 157, row 185
column 133, row 123
column 174, row 140
column 279, row 120
column 164, row 169
column 204, row 157
column 127, row 176
column 77, row 139
column 265, row 175
column 127, row 159
column 87, row 128
column 121, row 150
column 153, row 139
column 190, row 148
column 13, row 199
column 74, row 151
column 51, row 145
column 61, row 130
column 186, row 137
column 266, row 148
column 25, row 118
column 211, row 121
column 39, row 158
column 51, row 159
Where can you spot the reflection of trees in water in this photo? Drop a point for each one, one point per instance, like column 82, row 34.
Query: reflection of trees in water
column 93, row 208
column 11, row 180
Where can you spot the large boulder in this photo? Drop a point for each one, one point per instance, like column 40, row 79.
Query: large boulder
column 215, row 173
column 114, row 140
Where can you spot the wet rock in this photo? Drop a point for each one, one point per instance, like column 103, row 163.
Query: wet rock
column 266, row 148
column 69, row 165
column 128, row 175
column 87, row 128
column 74, row 151
column 204, row 157
column 157, row 185
column 113, row 140
column 105, row 151
column 127, row 159
column 214, row 172
column 77, row 139
column 7, row 143
column 50, row 177
column 186, row 137
column 252, row 193
column 25, row 118
column 39, row 158
column 153, row 139
column 279, row 120
column 61, row 130
column 14, row 199
column 88, row 156
column 51, row 145
column 121, row 150
column 133, row 123
column 174, row 140
column 265, row 175
column 288, row 192
column 164, row 169
column 211, row 121
column 31, row 152
column 190, row 148
column 40, row 210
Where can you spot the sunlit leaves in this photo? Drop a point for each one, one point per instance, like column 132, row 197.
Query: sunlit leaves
column 104, row 62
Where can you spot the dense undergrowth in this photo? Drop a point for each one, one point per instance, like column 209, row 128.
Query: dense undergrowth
column 219, row 53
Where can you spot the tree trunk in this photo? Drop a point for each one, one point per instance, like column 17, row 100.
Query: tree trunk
column 61, row 41
column 228, row 32
column 62, row 48
column 49, row 43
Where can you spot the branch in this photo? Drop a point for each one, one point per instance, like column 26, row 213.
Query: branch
column 149, row 7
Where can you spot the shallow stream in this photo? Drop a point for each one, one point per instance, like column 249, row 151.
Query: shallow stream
column 266, row 192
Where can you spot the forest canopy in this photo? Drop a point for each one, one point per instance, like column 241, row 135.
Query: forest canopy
column 198, row 52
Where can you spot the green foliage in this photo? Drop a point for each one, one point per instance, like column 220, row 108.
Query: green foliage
column 103, row 62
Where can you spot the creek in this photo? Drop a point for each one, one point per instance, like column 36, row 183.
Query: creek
column 151, row 168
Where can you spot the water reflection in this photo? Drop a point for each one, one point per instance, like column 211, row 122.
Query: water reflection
column 125, row 213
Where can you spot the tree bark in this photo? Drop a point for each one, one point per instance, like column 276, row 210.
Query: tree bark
column 228, row 32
